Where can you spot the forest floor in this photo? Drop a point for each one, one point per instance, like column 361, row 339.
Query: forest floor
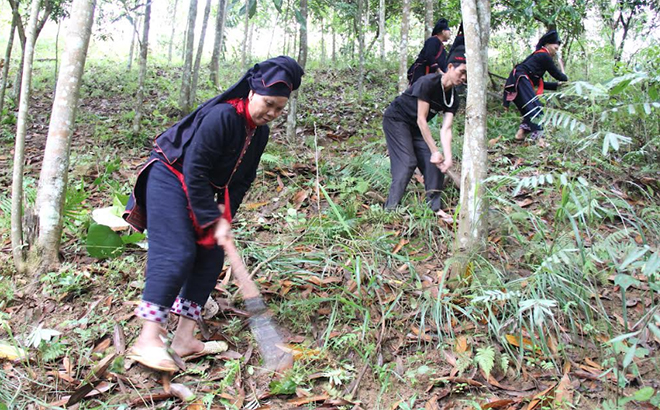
column 561, row 311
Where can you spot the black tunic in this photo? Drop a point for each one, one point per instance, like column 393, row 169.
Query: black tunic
column 432, row 56
column 429, row 89
column 206, row 157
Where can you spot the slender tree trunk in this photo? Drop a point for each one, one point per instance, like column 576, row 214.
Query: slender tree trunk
column 473, row 215
column 17, row 244
column 173, row 23
column 54, row 171
column 428, row 20
column 360, row 33
column 57, row 55
column 142, row 74
column 322, row 42
column 214, row 66
column 5, row 68
column 200, row 49
column 291, row 123
column 403, row 48
column 184, row 97
column 334, row 46
column 302, row 53
column 381, row 28
column 246, row 28
column 135, row 23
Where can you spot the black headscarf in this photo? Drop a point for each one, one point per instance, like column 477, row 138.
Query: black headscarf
column 551, row 37
column 276, row 77
column 457, row 52
column 441, row 25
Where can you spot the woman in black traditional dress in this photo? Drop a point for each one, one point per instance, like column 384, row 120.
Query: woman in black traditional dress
column 208, row 158
column 525, row 84
column 433, row 57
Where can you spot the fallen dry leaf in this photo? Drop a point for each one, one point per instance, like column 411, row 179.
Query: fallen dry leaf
column 461, row 344
column 306, row 400
column 515, row 340
column 10, row 352
column 400, row 245
column 498, row 404
column 564, row 392
column 542, row 399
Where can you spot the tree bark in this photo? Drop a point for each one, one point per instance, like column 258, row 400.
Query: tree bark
column 173, row 22
column 246, row 29
column 5, row 68
column 403, row 48
column 214, row 66
column 302, row 53
column 184, row 97
column 473, row 215
column 360, row 32
column 142, row 74
column 17, row 244
column 200, row 49
column 428, row 19
column 381, row 28
column 291, row 123
column 53, row 180
column 135, row 22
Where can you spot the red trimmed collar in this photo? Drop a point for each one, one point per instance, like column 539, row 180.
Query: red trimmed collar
column 241, row 107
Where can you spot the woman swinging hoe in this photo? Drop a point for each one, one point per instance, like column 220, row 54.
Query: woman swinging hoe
column 208, row 158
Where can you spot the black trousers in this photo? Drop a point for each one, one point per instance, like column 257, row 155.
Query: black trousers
column 529, row 106
column 176, row 264
column 408, row 151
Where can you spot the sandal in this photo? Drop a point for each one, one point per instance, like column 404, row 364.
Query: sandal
column 210, row 348
column 156, row 358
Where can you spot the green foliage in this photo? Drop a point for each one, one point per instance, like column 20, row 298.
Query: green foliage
column 485, row 358
column 103, row 242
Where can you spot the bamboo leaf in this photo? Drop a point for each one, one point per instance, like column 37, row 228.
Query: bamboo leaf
column 630, row 355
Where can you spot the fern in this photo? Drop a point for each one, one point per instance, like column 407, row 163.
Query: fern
column 270, row 159
column 485, row 358
column 52, row 350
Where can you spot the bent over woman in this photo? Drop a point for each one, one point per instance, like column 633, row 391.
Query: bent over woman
column 410, row 143
column 525, row 84
column 208, row 158
column 433, row 56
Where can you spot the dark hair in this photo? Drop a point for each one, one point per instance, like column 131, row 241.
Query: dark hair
column 440, row 25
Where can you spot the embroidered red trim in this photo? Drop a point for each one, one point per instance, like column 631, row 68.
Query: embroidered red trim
column 241, row 107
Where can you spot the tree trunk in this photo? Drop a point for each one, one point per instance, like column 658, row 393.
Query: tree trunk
column 173, row 22
column 428, row 20
column 135, row 21
column 17, row 244
column 334, row 46
column 144, row 50
column 184, row 97
column 200, row 49
column 360, row 32
column 302, row 52
column 403, row 48
column 291, row 123
column 322, row 42
column 246, row 28
column 217, row 44
column 473, row 215
column 51, row 194
column 381, row 28
column 5, row 68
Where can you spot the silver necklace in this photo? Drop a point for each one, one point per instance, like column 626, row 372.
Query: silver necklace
column 444, row 97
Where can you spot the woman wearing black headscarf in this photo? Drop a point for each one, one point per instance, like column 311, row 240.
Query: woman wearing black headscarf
column 208, row 158
column 525, row 84
column 433, row 57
